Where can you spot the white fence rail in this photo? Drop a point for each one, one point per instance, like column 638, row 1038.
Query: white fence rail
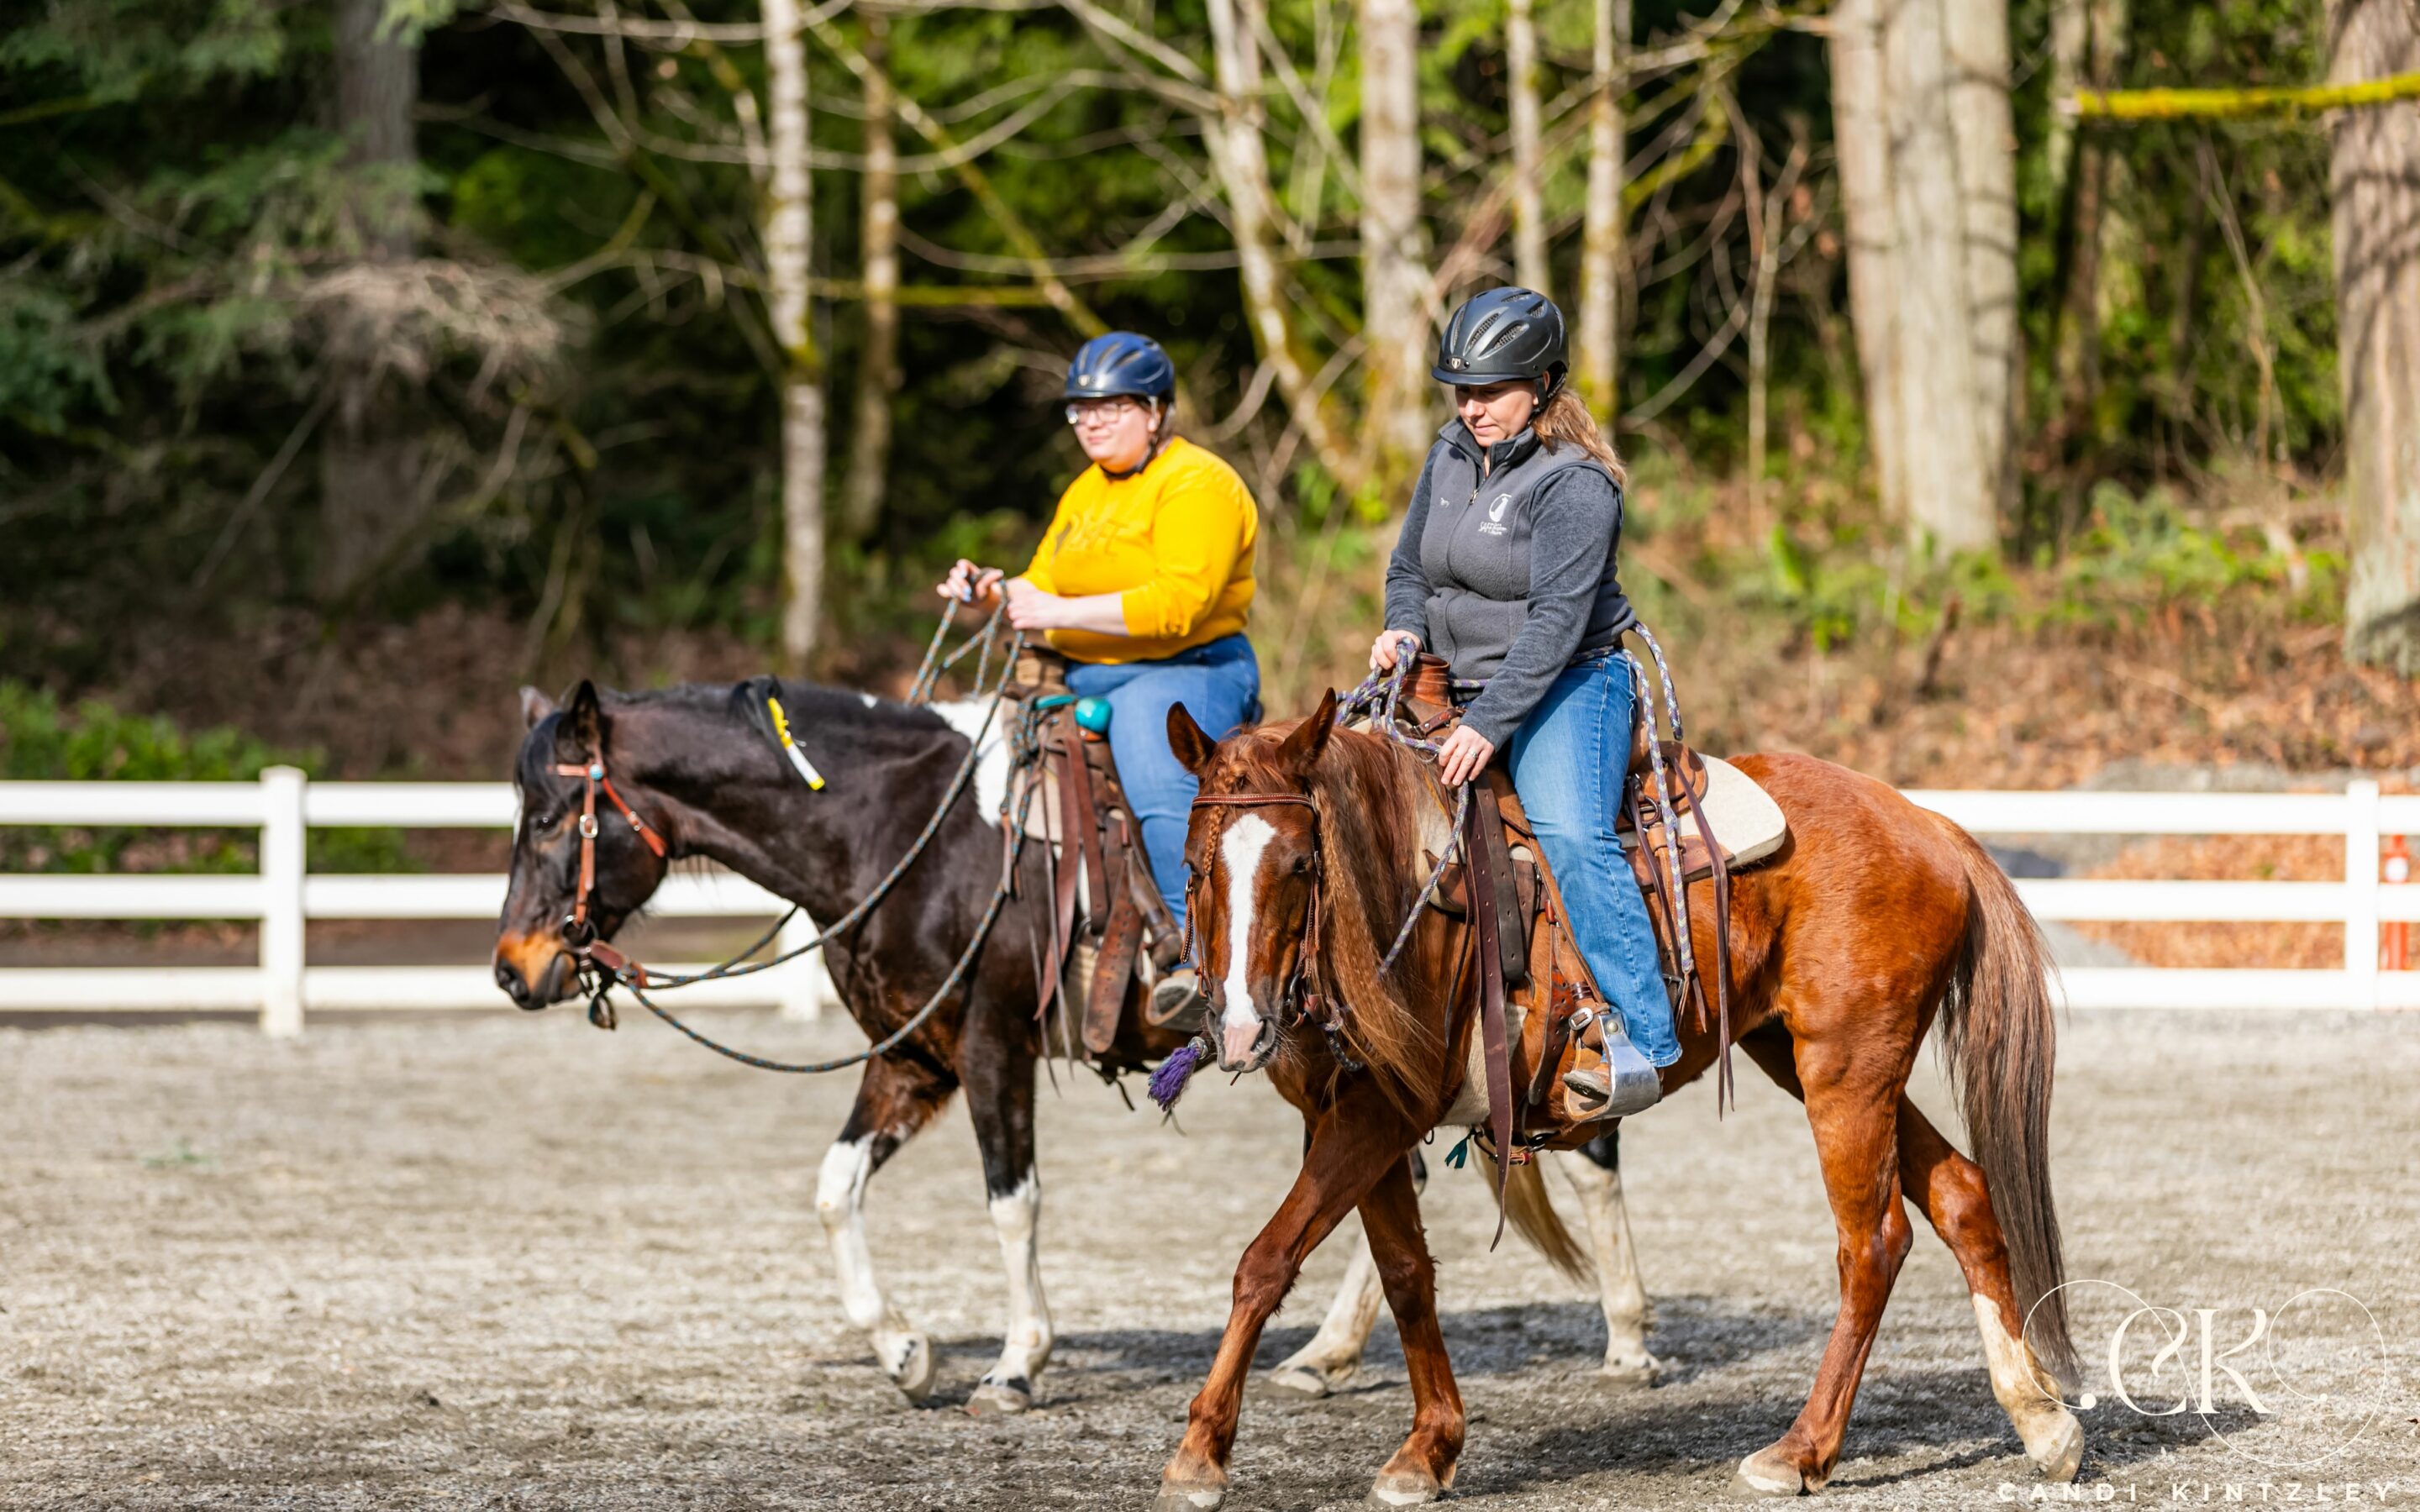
column 283, row 897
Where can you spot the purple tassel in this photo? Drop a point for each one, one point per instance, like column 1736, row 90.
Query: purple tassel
column 1168, row 1082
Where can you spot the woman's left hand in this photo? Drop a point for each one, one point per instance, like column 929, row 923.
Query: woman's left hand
column 1465, row 754
column 1029, row 607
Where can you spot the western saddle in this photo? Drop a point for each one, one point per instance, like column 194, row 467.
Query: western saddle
column 1109, row 935
column 1538, row 997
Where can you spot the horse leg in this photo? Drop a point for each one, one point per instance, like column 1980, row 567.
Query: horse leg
column 1422, row 1468
column 1353, row 1145
column 1949, row 1188
column 997, row 1070
column 895, row 1100
column 1594, row 1171
column 1853, row 1104
column 1333, row 1356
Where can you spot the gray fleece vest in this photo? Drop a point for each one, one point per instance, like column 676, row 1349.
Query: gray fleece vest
column 1475, row 552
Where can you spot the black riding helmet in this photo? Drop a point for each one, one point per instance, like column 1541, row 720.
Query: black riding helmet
column 1501, row 337
column 1121, row 364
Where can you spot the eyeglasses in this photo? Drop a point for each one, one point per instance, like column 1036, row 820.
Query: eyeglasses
column 1099, row 411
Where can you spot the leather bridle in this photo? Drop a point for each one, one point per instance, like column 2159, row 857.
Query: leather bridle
column 579, row 931
column 1301, row 987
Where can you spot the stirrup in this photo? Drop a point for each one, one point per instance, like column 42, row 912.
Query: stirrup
column 1177, row 1001
column 1609, row 1078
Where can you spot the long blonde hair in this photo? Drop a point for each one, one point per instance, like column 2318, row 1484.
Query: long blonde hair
column 1566, row 421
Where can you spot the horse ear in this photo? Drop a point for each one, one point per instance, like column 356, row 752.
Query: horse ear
column 583, row 729
column 1302, row 750
column 536, row 706
column 1190, row 743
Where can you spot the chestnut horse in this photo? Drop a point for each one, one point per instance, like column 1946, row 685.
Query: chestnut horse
column 1875, row 917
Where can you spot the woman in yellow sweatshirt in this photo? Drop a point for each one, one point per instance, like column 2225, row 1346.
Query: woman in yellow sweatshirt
column 1143, row 580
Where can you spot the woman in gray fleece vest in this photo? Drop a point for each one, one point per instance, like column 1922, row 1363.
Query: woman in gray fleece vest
column 1505, row 569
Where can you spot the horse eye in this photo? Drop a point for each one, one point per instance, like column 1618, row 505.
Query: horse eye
column 1301, row 866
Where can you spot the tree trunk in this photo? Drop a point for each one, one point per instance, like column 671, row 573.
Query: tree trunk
column 2377, row 219
column 1976, row 40
column 1952, row 481
column 787, row 233
column 1394, row 246
column 373, row 463
column 1528, row 166
column 1242, row 161
column 1605, row 224
column 2097, row 34
column 869, row 458
column 1861, row 127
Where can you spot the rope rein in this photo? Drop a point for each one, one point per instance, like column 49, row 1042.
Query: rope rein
column 599, row 977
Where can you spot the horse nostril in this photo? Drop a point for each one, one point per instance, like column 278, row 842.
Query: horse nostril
column 508, row 977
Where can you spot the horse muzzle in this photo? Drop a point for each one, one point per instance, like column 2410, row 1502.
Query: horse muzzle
column 1246, row 1046
column 535, row 971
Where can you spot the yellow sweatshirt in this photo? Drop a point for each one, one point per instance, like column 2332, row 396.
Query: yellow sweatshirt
column 1174, row 541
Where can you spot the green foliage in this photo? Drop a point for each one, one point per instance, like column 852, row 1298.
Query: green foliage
column 41, row 741
column 174, row 206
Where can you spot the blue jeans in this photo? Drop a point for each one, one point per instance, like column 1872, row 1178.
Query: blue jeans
column 1219, row 684
column 1568, row 760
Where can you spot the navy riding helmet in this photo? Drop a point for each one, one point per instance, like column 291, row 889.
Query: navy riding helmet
column 1121, row 364
column 1501, row 337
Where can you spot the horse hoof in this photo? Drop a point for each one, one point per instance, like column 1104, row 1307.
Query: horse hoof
column 913, row 1375
column 1400, row 1488
column 1767, row 1474
column 1632, row 1375
column 1303, row 1381
column 2059, row 1453
column 1188, row 1498
column 997, row 1399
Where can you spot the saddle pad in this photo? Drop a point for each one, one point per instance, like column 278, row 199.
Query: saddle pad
column 1743, row 816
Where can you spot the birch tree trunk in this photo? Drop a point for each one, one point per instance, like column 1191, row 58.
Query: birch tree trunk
column 788, row 210
column 1861, row 128
column 2377, row 218
column 869, row 457
column 1394, row 246
column 1605, row 224
column 1930, row 205
column 2100, row 49
column 1975, row 38
column 1242, row 160
column 1952, row 482
column 1528, row 168
column 373, row 462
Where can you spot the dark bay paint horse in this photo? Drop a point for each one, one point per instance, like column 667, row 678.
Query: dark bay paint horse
column 1875, row 918
column 694, row 764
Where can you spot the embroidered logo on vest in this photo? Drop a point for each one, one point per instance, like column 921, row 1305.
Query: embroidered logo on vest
column 1495, row 525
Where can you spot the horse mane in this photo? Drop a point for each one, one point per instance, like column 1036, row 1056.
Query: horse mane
column 1366, row 791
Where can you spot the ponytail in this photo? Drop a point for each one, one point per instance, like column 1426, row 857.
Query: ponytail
column 1565, row 420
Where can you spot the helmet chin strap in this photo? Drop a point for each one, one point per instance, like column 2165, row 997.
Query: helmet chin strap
column 1159, row 410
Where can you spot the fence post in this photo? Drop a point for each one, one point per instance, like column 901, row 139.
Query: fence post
column 282, row 835
column 2361, row 890
column 800, row 982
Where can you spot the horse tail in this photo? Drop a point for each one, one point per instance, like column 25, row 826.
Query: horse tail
column 1534, row 1218
column 1999, row 1041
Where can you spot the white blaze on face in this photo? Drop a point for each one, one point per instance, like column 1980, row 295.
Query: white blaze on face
column 1245, row 841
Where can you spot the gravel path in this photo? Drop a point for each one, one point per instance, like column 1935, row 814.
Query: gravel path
column 512, row 1262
